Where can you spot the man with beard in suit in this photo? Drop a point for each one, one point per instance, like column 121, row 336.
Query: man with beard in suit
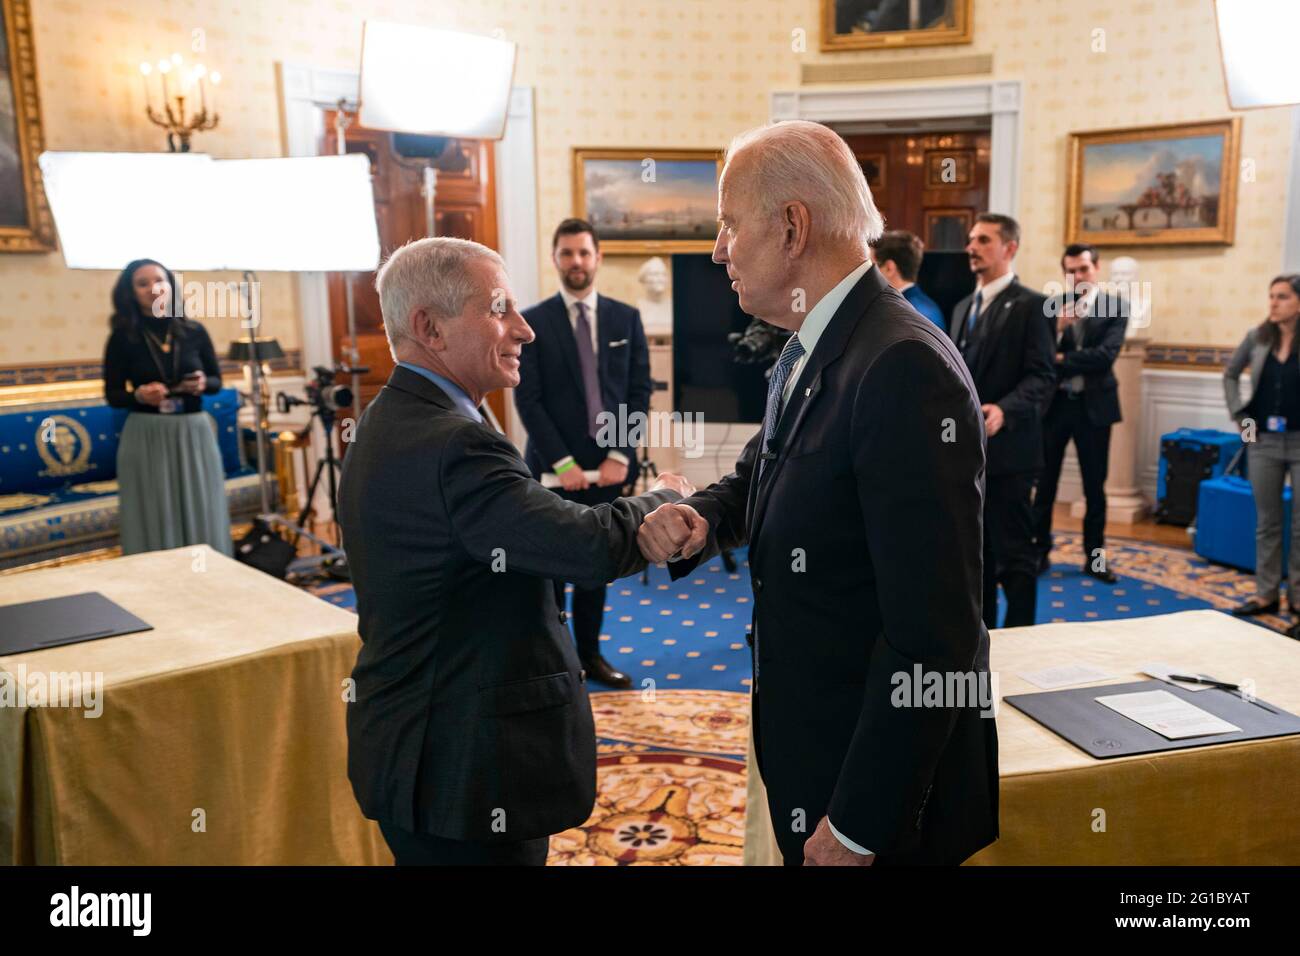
column 590, row 358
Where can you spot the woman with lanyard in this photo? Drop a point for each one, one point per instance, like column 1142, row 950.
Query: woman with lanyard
column 1270, row 423
column 158, row 364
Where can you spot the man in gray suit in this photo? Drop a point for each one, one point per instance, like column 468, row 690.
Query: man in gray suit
column 470, row 738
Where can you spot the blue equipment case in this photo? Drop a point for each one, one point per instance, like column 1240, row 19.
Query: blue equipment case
column 1188, row 457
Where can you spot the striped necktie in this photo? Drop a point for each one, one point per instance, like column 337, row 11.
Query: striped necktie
column 791, row 354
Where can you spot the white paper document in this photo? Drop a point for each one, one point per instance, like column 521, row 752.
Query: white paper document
column 1065, row 675
column 551, row 480
column 1162, row 672
column 1167, row 715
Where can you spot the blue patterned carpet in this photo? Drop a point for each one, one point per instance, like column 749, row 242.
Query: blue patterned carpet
column 670, row 754
column 691, row 634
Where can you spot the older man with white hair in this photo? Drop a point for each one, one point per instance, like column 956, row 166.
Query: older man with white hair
column 860, row 500
column 470, row 736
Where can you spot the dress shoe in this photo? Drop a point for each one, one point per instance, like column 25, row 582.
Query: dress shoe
column 1255, row 606
column 601, row 670
column 1105, row 575
column 1044, row 564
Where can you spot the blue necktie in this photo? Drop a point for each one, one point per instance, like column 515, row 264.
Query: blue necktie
column 974, row 314
column 791, row 354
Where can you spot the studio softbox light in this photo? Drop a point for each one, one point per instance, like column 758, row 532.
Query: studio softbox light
column 191, row 212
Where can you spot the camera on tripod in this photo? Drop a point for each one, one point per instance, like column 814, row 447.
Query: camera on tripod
column 760, row 342
column 324, row 394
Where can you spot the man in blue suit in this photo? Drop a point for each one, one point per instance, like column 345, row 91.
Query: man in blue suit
column 898, row 256
column 589, row 357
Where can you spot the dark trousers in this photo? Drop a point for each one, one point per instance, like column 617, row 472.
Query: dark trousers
column 1066, row 421
column 425, row 849
column 588, row 611
column 1009, row 555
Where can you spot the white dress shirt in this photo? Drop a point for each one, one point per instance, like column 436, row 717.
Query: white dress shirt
column 571, row 306
column 991, row 290
column 815, row 324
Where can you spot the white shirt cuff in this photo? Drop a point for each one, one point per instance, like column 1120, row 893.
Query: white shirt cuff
column 561, row 463
column 846, row 841
column 618, row 456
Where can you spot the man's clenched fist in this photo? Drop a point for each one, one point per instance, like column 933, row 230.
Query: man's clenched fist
column 671, row 530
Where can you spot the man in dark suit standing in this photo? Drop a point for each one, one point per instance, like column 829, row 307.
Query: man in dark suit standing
column 860, row 500
column 590, row 357
column 470, row 736
column 1089, row 332
column 1003, row 336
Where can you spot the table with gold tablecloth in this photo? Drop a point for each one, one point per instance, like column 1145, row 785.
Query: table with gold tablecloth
column 1236, row 803
column 221, row 738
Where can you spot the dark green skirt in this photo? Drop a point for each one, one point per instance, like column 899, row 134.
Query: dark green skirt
column 171, row 486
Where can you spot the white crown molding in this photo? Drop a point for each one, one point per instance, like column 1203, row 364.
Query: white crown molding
column 999, row 100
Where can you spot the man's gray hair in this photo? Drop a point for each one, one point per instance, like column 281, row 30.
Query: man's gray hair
column 809, row 162
column 430, row 274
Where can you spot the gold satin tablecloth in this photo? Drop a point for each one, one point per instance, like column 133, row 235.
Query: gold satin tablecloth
column 221, row 739
column 1227, row 804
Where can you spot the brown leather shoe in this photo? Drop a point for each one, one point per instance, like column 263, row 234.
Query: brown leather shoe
column 599, row 669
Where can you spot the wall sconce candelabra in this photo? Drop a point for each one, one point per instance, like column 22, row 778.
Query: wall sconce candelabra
column 172, row 116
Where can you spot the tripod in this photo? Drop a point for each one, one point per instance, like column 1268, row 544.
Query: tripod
column 645, row 473
column 336, row 565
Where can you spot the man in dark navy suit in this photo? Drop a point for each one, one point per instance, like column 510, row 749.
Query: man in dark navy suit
column 583, row 385
column 1002, row 332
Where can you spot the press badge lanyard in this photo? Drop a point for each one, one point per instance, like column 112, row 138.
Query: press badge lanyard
column 1277, row 423
column 169, row 405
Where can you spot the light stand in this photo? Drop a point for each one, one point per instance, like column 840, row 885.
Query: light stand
column 342, row 120
column 248, row 352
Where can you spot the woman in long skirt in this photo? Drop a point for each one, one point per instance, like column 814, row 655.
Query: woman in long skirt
column 158, row 364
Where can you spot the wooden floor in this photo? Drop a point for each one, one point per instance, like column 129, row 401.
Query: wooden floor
column 1170, row 536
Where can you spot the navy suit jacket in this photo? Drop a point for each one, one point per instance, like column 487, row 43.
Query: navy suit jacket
column 876, row 489
column 550, row 397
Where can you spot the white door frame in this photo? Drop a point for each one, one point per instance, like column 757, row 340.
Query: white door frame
column 307, row 92
column 999, row 100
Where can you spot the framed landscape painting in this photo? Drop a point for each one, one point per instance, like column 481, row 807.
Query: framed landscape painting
column 25, row 223
column 1154, row 185
column 649, row 200
column 886, row 24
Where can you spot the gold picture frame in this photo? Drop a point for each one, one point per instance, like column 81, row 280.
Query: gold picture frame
column 1191, row 156
column 675, row 210
column 837, row 35
column 26, row 225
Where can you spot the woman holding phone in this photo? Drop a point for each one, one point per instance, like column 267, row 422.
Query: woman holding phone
column 1270, row 421
column 158, row 364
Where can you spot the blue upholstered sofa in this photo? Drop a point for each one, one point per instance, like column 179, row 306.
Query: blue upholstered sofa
column 59, row 497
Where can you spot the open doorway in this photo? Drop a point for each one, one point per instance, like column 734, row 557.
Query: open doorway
column 930, row 178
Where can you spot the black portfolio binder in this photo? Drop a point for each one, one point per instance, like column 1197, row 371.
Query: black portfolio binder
column 1075, row 715
column 36, row 625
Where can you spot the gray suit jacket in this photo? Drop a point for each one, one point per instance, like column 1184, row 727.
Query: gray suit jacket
column 470, row 719
column 1253, row 353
